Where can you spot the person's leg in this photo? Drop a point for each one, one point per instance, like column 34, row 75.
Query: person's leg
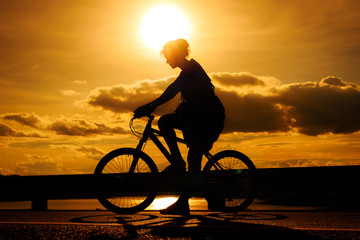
column 194, row 159
column 167, row 124
column 181, row 206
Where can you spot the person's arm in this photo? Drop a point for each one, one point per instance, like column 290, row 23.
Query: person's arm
column 169, row 93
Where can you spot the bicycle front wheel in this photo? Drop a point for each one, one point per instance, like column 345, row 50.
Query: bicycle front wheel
column 126, row 181
column 229, row 181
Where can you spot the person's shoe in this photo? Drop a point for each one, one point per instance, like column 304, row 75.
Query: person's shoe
column 177, row 208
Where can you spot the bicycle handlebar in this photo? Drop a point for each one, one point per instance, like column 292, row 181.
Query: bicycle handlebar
column 137, row 133
column 150, row 116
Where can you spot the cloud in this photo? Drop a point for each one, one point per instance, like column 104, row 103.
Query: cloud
column 73, row 127
column 63, row 126
column 333, row 81
column 331, row 106
column 90, row 152
column 300, row 163
column 126, row 98
column 7, row 131
column 40, row 165
column 69, row 93
column 312, row 108
column 252, row 113
column 80, row 82
column 27, row 119
column 237, row 79
column 6, row 172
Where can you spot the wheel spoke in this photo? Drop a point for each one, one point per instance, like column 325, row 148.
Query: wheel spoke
column 234, row 180
column 124, row 193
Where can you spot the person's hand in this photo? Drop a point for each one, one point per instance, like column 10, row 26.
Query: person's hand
column 144, row 110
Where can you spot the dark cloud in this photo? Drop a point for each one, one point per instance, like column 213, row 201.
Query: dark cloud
column 252, row 113
column 331, row 106
column 7, row 131
column 123, row 98
column 82, row 128
column 28, row 119
column 65, row 126
column 90, row 152
column 312, row 108
column 333, row 81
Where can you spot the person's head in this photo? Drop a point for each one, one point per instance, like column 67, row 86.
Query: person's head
column 175, row 52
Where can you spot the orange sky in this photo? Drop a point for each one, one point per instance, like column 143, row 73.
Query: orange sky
column 71, row 72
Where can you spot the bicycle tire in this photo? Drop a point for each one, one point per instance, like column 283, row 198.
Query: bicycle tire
column 120, row 191
column 230, row 177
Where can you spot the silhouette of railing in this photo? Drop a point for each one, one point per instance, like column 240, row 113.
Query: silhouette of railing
column 313, row 186
column 39, row 189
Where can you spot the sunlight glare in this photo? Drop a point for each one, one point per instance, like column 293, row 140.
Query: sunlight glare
column 161, row 24
column 162, row 202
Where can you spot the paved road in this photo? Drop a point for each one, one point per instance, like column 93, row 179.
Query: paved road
column 292, row 225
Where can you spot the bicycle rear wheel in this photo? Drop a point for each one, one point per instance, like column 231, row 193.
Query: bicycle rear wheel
column 120, row 190
column 229, row 181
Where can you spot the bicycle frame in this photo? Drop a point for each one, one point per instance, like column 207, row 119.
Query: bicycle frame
column 151, row 133
column 225, row 184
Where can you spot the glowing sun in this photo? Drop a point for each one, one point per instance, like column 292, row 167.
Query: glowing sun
column 161, row 24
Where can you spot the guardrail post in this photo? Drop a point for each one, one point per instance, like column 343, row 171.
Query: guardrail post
column 39, row 204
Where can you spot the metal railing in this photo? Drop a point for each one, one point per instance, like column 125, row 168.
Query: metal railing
column 315, row 186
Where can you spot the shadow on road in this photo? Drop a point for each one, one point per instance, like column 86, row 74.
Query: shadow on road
column 197, row 226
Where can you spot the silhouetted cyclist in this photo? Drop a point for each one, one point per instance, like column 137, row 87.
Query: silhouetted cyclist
column 200, row 116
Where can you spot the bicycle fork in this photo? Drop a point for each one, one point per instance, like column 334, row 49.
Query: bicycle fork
column 136, row 158
column 216, row 164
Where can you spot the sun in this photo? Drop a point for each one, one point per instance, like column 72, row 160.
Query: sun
column 163, row 23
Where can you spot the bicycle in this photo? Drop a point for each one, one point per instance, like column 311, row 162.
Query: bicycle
column 127, row 179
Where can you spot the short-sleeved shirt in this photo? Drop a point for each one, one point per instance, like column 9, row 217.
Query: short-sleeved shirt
column 201, row 110
column 195, row 85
